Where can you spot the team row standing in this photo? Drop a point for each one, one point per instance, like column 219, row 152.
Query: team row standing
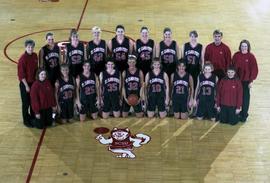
column 120, row 46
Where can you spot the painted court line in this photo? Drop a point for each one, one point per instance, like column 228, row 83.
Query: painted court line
column 35, row 156
column 44, row 130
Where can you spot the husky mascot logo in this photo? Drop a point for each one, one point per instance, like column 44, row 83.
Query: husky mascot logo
column 122, row 143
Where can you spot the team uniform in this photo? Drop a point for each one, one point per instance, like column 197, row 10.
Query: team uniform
column 168, row 55
column 144, row 55
column 75, row 58
column 111, row 91
column 192, row 56
column 156, row 92
column 206, row 96
column 97, row 56
column 132, row 84
column 120, row 53
column 51, row 59
column 180, row 93
column 66, row 95
column 88, row 94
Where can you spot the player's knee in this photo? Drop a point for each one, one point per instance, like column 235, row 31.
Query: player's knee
column 184, row 116
column 150, row 114
column 124, row 114
column 162, row 115
column 139, row 115
column 105, row 115
column 116, row 114
column 94, row 116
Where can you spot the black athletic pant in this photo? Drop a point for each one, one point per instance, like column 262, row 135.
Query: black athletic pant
column 227, row 115
column 45, row 119
column 246, row 99
column 26, row 104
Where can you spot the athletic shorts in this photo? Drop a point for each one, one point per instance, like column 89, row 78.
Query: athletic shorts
column 179, row 104
column 88, row 105
column 206, row 108
column 156, row 101
column 111, row 103
column 67, row 109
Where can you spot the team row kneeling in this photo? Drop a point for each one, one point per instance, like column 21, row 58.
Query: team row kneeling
column 111, row 91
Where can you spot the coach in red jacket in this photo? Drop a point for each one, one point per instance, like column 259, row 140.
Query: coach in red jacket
column 247, row 69
column 218, row 54
column 42, row 100
column 229, row 97
column 27, row 67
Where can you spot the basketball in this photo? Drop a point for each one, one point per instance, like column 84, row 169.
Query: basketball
column 101, row 130
column 133, row 99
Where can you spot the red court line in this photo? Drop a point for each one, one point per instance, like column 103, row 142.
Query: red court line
column 44, row 130
column 35, row 156
column 80, row 20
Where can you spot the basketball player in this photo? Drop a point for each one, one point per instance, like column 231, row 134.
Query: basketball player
column 218, row 54
column 168, row 52
column 205, row 93
column 133, row 84
column 229, row 97
column 42, row 100
column 65, row 94
column 87, row 91
column 120, row 47
column 75, row 55
column 50, row 58
column 247, row 70
column 193, row 53
column 182, row 91
column 27, row 67
column 97, row 51
column 145, row 50
column 110, row 82
column 157, row 90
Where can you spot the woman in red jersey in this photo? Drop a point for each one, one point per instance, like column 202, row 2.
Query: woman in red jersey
column 247, row 70
column 42, row 100
column 229, row 97
column 27, row 67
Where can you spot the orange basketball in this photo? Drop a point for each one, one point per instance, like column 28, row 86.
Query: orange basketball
column 133, row 99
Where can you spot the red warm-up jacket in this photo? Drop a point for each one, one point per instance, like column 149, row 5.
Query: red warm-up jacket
column 230, row 93
column 246, row 66
column 42, row 96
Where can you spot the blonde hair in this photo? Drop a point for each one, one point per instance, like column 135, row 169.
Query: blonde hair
column 96, row 29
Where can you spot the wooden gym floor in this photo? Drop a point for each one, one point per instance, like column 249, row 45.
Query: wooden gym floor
column 188, row 151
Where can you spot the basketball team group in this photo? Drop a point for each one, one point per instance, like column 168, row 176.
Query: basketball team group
column 123, row 76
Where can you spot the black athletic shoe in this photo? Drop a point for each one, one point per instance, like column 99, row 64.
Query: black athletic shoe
column 28, row 124
column 243, row 120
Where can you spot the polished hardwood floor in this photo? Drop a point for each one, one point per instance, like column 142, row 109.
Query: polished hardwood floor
column 187, row 151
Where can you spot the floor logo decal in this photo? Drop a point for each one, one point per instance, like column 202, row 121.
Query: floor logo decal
column 121, row 142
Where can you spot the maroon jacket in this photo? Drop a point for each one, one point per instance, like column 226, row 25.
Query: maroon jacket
column 219, row 56
column 246, row 65
column 27, row 67
column 230, row 93
column 42, row 96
